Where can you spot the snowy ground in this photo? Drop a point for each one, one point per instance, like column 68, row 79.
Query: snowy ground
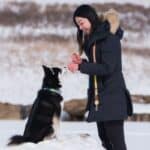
column 72, row 136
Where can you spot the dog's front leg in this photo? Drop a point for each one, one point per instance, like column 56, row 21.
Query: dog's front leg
column 56, row 126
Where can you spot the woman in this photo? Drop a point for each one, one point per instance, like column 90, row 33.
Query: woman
column 100, row 39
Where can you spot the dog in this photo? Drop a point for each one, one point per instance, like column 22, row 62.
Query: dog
column 45, row 113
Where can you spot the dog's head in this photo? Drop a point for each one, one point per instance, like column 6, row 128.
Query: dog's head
column 51, row 77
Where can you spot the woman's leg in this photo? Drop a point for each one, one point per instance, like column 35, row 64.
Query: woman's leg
column 114, row 131
column 101, row 132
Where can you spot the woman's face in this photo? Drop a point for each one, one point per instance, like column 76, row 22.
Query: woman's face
column 84, row 24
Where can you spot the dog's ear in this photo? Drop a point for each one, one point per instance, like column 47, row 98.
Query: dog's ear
column 57, row 70
column 46, row 69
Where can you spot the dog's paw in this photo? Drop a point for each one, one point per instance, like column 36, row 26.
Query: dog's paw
column 53, row 136
column 50, row 137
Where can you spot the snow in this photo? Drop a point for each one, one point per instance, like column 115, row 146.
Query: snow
column 141, row 108
column 28, row 84
column 24, row 82
column 137, row 39
column 76, row 135
column 11, row 88
column 72, row 142
column 20, row 81
column 133, row 39
column 22, row 30
column 136, row 73
column 145, row 3
column 18, row 94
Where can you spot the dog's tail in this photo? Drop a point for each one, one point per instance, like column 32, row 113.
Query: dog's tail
column 17, row 139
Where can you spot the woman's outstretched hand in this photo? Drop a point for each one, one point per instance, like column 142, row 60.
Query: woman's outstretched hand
column 75, row 58
column 73, row 67
column 75, row 61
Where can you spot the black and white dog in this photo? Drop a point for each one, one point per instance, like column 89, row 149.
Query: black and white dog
column 45, row 112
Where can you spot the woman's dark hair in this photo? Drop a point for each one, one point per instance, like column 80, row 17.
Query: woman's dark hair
column 88, row 12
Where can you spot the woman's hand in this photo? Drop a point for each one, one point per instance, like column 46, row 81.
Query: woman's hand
column 75, row 61
column 75, row 58
column 73, row 67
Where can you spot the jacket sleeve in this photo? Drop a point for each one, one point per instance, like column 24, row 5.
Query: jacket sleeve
column 109, row 57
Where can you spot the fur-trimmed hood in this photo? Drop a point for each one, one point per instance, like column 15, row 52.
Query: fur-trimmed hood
column 109, row 23
column 112, row 17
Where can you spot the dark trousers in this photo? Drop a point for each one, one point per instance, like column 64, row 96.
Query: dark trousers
column 111, row 134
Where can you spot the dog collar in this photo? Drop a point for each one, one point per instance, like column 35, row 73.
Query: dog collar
column 53, row 90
